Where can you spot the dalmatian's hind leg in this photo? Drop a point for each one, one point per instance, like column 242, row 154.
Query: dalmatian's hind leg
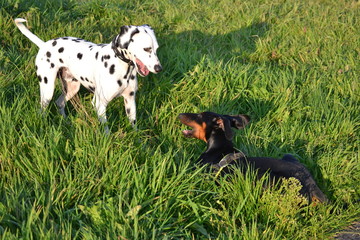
column 70, row 87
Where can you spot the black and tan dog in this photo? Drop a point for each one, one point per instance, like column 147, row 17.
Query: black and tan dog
column 215, row 130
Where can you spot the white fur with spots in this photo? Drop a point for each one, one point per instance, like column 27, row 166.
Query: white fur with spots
column 108, row 70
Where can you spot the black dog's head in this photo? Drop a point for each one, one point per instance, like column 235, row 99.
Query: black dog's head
column 207, row 124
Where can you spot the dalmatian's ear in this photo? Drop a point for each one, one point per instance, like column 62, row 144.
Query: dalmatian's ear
column 123, row 39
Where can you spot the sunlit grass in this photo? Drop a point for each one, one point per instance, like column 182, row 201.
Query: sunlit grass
column 292, row 66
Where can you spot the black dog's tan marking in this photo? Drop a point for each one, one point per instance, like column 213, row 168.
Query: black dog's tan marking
column 215, row 130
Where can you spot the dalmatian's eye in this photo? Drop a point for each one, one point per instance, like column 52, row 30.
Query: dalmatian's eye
column 147, row 50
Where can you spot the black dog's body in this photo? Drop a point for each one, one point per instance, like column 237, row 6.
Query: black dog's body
column 215, row 130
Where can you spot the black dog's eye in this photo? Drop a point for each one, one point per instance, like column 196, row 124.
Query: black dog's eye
column 147, row 50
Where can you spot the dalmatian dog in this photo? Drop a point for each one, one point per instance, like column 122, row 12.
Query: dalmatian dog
column 107, row 70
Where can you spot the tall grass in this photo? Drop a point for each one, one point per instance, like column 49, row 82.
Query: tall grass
column 292, row 66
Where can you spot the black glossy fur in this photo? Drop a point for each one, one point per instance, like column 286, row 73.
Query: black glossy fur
column 215, row 130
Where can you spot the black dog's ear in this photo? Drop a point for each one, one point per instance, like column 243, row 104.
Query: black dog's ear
column 238, row 121
column 225, row 125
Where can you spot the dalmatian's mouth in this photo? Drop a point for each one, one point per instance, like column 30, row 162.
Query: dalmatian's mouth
column 141, row 68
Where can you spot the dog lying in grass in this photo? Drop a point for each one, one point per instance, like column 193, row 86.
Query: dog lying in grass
column 216, row 131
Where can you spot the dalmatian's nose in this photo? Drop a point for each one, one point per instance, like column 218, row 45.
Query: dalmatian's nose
column 158, row 68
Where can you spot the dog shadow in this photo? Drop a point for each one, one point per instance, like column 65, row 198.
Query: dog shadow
column 181, row 52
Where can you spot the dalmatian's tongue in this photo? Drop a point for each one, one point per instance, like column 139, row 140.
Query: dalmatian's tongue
column 142, row 69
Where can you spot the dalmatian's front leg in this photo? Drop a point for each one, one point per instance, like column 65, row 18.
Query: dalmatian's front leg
column 130, row 106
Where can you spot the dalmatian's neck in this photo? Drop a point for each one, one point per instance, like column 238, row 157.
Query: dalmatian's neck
column 122, row 54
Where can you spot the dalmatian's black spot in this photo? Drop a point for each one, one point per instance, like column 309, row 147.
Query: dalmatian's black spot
column 125, row 45
column 115, row 42
column 36, row 67
column 112, row 69
column 134, row 122
column 127, row 73
column 123, row 30
column 60, row 62
column 134, row 32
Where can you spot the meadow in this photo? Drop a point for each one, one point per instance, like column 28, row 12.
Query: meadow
column 293, row 66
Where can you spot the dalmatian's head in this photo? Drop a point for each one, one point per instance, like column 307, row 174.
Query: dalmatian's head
column 138, row 44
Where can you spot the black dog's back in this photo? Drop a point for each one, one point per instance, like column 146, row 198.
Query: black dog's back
column 286, row 167
column 216, row 130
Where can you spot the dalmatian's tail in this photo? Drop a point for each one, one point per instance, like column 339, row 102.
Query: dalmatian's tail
column 35, row 39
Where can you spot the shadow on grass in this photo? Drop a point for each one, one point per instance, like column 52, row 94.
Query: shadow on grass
column 181, row 52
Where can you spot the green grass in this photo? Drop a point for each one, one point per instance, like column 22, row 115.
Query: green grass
column 293, row 66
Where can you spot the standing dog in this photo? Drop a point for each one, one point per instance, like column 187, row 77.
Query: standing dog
column 107, row 70
column 215, row 130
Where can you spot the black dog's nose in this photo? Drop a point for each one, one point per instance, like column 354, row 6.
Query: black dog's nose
column 158, row 68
